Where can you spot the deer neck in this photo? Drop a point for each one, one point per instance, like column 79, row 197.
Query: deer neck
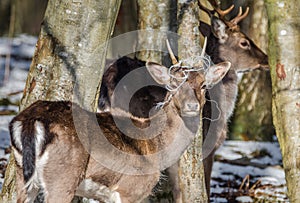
column 151, row 134
column 229, row 82
column 171, row 136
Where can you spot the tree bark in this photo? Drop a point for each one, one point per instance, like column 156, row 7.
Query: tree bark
column 69, row 59
column 284, row 48
column 153, row 16
column 252, row 119
column 191, row 172
column 154, row 23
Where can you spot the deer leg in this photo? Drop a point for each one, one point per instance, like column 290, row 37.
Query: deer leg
column 208, row 164
column 209, row 160
column 173, row 176
column 25, row 192
column 60, row 187
column 20, row 187
column 63, row 170
column 143, row 185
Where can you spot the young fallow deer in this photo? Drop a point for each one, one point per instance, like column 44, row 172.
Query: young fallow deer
column 54, row 142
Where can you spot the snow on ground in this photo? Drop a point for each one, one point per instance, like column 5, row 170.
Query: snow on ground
column 260, row 163
column 257, row 162
column 21, row 50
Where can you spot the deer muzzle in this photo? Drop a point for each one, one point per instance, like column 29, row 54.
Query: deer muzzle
column 190, row 109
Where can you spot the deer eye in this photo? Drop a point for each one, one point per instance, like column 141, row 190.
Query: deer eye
column 244, row 44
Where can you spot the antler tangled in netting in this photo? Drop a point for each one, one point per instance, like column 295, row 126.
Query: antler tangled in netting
column 205, row 63
column 202, row 64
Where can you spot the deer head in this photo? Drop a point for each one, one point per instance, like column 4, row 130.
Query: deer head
column 228, row 43
column 181, row 81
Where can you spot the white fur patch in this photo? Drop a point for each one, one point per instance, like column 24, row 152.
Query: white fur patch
column 115, row 197
column 36, row 181
column 90, row 189
column 17, row 130
column 39, row 137
column 40, row 164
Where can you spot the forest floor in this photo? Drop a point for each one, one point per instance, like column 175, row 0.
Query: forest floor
column 243, row 171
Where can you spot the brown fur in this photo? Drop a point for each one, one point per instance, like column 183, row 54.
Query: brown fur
column 68, row 140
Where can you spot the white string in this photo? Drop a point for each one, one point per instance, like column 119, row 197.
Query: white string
column 219, row 111
column 205, row 62
column 160, row 105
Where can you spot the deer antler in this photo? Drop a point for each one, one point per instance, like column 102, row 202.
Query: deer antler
column 172, row 56
column 215, row 5
column 232, row 24
column 204, row 47
column 221, row 13
column 240, row 17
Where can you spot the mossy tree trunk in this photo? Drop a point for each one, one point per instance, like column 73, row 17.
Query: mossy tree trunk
column 284, row 49
column 191, row 172
column 252, row 118
column 68, row 60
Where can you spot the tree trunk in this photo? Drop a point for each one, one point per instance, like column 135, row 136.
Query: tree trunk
column 126, row 22
column 154, row 23
column 5, row 12
column 22, row 16
column 191, row 172
column 284, row 49
column 69, row 59
column 29, row 15
column 154, row 20
column 252, row 118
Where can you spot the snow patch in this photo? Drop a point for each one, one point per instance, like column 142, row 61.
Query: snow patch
column 244, row 199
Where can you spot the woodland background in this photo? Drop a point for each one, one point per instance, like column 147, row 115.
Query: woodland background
column 253, row 115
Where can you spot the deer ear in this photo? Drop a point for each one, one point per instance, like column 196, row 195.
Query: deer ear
column 218, row 28
column 158, row 72
column 216, row 73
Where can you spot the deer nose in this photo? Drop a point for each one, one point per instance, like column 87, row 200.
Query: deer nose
column 192, row 107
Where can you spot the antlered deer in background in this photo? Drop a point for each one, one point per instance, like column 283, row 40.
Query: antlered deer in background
column 225, row 43
column 53, row 154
